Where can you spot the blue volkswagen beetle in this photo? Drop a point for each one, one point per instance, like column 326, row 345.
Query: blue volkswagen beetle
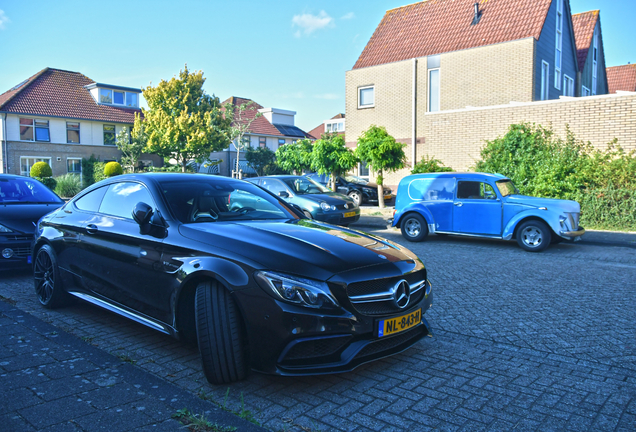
column 482, row 205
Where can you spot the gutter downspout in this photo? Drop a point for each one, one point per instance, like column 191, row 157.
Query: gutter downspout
column 414, row 121
column 5, row 168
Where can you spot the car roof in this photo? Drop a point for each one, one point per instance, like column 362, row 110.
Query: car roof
column 460, row 174
column 280, row 176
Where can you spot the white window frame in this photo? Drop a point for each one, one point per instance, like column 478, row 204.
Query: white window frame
column 558, row 50
column 439, row 89
column 80, row 166
column 111, row 92
column 568, row 86
column 114, row 134
column 46, row 159
column 594, row 63
column 360, row 89
column 585, row 91
column 79, row 135
column 99, row 95
column 545, row 88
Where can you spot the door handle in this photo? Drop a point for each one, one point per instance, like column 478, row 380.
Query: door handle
column 459, row 204
column 91, row 229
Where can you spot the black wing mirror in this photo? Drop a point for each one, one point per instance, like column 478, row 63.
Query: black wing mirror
column 283, row 194
column 142, row 213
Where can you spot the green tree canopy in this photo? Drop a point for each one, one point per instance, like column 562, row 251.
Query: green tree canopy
column 132, row 143
column 331, row 156
column 184, row 122
column 261, row 159
column 430, row 165
column 295, row 157
column 381, row 153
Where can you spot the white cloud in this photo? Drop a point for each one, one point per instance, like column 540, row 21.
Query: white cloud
column 3, row 19
column 328, row 96
column 309, row 23
column 348, row 16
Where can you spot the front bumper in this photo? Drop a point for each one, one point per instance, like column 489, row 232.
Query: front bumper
column 17, row 248
column 573, row 235
column 338, row 217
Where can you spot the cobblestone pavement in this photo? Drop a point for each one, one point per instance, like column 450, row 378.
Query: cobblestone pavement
column 521, row 341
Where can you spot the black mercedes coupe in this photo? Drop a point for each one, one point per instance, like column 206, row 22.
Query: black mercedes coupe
column 235, row 268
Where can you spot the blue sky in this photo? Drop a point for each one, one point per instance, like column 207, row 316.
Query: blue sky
column 287, row 54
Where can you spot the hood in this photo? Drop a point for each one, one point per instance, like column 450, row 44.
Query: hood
column 567, row 206
column 331, row 198
column 305, row 247
column 23, row 217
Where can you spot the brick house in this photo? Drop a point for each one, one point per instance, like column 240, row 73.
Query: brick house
column 438, row 56
column 274, row 128
column 622, row 78
column 61, row 117
column 334, row 124
column 592, row 77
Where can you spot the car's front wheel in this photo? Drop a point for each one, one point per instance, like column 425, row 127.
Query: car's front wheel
column 533, row 236
column 414, row 227
column 356, row 197
column 219, row 334
column 46, row 275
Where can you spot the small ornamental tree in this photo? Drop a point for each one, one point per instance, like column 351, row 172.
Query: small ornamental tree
column 132, row 143
column 42, row 171
column 183, row 122
column 261, row 160
column 112, row 169
column 331, row 156
column 240, row 117
column 295, row 157
column 381, row 153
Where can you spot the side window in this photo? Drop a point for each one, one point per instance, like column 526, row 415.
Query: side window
column 469, row 190
column 92, row 200
column 489, row 191
column 274, row 186
column 120, row 199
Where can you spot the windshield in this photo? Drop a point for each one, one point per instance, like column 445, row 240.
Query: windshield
column 211, row 200
column 506, row 187
column 355, row 179
column 25, row 190
column 305, row 186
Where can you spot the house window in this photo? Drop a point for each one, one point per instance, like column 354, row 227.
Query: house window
column 105, row 96
column 594, row 62
column 109, row 134
column 433, row 90
column 26, row 162
column 281, row 141
column 74, row 166
column 118, row 98
column 559, row 45
column 585, row 91
column 30, row 129
column 262, row 142
column 131, row 99
column 72, row 132
column 568, row 86
column 366, row 97
column 545, row 74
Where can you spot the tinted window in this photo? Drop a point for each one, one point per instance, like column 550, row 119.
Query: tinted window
column 25, row 190
column 120, row 199
column 475, row 190
column 92, row 200
column 273, row 185
column 303, row 185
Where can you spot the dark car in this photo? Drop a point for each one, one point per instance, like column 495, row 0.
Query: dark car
column 257, row 287
column 315, row 200
column 356, row 188
column 23, row 201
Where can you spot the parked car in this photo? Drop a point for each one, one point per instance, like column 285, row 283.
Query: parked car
column 482, row 205
column 257, row 287
column 23, row 201
column 315, row 200
column 358, row 189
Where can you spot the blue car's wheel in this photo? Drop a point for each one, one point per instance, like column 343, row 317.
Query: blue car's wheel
column 533, row 236
column 414, row 227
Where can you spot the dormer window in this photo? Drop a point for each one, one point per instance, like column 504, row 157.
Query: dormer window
column 105, row 96
column 114, row 95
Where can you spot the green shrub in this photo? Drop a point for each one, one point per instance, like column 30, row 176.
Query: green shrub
column 428, row 165
column 68, row 185
column 609, row 208
column 112, row 169
column 49, row 182
column 41, row 170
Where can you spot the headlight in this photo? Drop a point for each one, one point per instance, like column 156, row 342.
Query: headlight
column 4, row 229
column 293, row 289
column 326, row 207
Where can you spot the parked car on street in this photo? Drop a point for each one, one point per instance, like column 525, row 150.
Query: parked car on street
column 23, row 201
column 482, row 205
column 358, row 189
column 315, row 200
column 257, row 287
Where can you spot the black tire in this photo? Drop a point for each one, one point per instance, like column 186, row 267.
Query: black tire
column 307, row 214
column 414, row 227
column 356, row 197
column 47, row 281
column 219, row 334
column 533, row 236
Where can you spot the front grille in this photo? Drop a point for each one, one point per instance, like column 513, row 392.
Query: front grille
column 17, row 238
column 316, row 347
column 379, row 286
column 574, row 220
column 388, row 344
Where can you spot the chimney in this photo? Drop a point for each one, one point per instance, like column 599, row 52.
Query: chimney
column 477, row 14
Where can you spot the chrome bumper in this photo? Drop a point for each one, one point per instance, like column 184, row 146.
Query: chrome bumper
column 577, row 234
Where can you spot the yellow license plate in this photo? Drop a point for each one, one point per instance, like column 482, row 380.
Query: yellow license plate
column 350, row 214
column 395, row 325
column 387, row 197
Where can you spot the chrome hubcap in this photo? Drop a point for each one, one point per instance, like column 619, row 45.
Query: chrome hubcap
column 532, row 236
column 413, row 228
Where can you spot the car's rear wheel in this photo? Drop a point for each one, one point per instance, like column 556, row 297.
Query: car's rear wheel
column 533, row 236
column 414, row 227
column 46, row 276
column 356, row 197
column 219, row 334
column 307, row 214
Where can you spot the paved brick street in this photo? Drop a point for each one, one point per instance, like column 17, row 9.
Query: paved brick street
column 521, row 341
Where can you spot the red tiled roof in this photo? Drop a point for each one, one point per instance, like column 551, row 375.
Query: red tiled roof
column 320, row 129
column 621, row 78
column 59, row 93
column 440, row 26
column 584, row 24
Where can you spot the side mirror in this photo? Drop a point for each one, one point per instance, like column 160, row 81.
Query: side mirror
column 142, row 213
column 283, row 194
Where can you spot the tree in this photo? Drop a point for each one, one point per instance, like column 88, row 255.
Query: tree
column 430, row 165
column 331, row 156
column 184, row 122
column 132, row 144
column 381, row 153
column 240, row 117
column 295, row 157
column 261, row 160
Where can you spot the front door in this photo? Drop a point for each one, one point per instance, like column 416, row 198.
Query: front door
column 477, row 209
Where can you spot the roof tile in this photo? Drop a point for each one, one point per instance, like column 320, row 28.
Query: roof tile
column 621, row 78
column 584, row 25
